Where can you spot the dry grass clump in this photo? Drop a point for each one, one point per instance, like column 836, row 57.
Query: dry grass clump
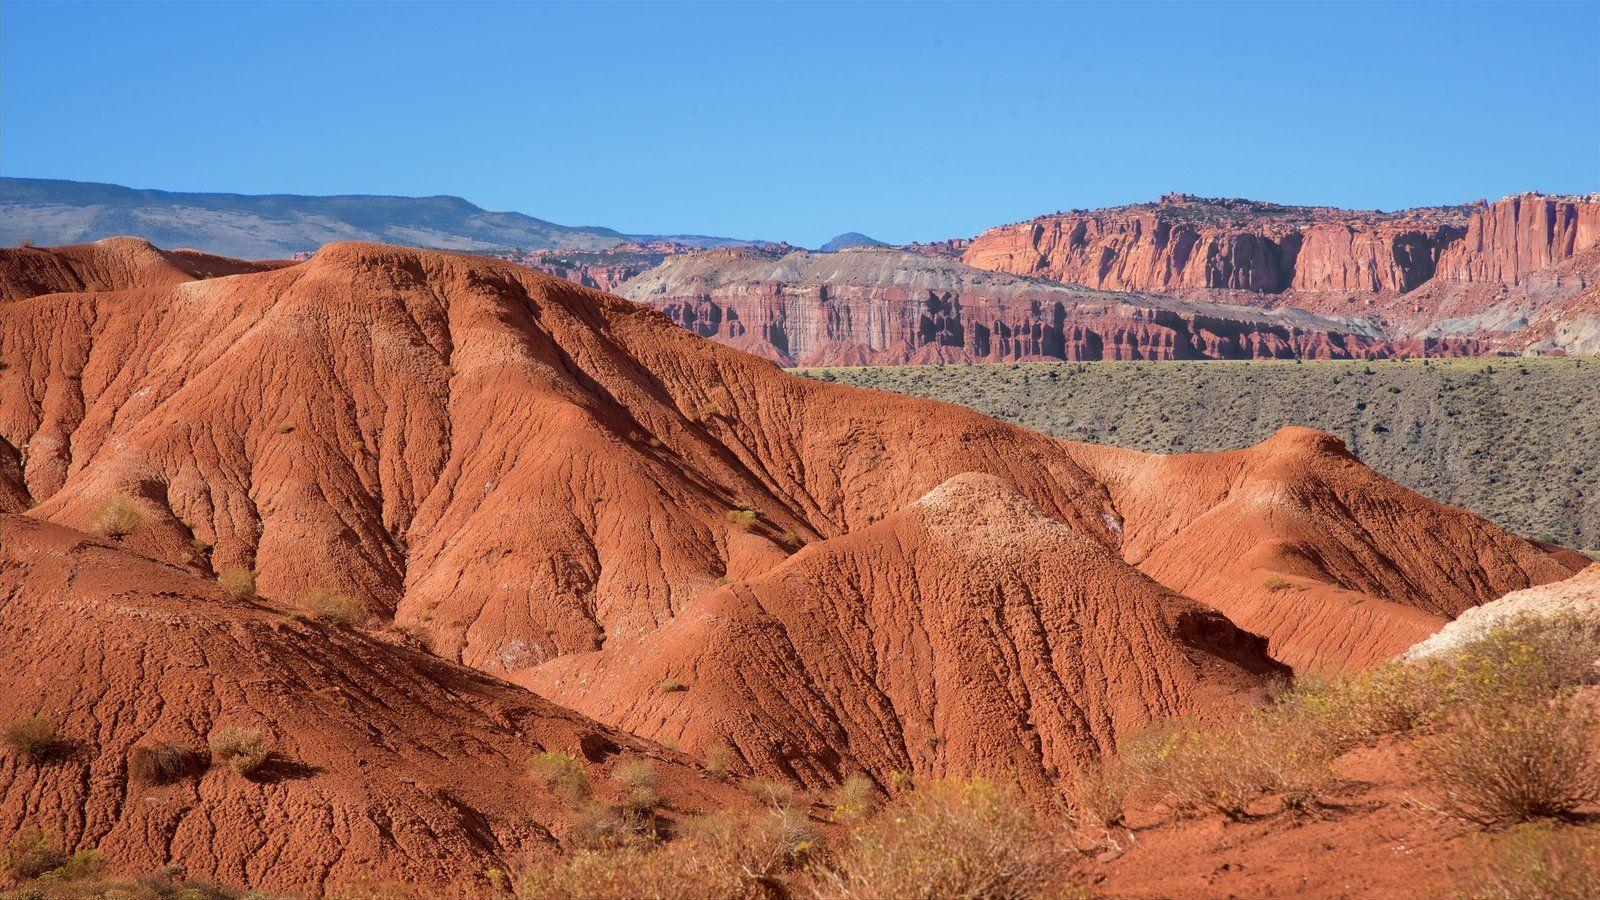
column 1276, row 583
column 239, row 584
column 718, row 856
column 334, row 608
column 774, row 793
column 1540, row 861
column 642, row 783
column 853, row 799
column 564, row 775
column 671, row 686
column 720, row 761
column 161, row 762
column 744, row 517
column 972, row 839
column 118, row 518
column 35, row 738
column 241, row 749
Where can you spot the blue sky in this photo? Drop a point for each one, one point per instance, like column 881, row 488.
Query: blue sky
column 799, row 121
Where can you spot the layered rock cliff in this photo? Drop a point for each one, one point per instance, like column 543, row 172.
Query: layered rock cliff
column 1185, row 242
column 886, row 307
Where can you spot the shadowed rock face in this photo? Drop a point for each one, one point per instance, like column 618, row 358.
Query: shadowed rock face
column 886, row 307
column 561, row 488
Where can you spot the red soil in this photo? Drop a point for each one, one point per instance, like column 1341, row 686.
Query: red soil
column 390, row 763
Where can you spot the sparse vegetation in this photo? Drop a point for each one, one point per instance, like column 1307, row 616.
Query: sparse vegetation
column 671, row 686
column 241, row 749
column 563, row 775
column 720, row 760
column 744, row 517
column 118, row 518
column 1457, row 431
column 972, row 839
column 160, row 762
column 1275, row 583
column 642, row 783
column 35, row 853
column 1516, row 763
column 35, row 738
column 853, row 799
column 238, row 583
column 330, row 606
column 1543, row 861
column 718, row 856
column 791, row 541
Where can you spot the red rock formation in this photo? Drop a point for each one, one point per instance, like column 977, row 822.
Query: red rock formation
column 885, row 307
column 387, row 763
column 1511, row 238
column 967, row 631
column 1188, row 242
column 526, row 471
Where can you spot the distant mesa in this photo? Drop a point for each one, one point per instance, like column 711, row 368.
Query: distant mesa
column 850, row 240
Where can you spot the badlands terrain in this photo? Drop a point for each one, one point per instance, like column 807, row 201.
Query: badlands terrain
column 400, row 572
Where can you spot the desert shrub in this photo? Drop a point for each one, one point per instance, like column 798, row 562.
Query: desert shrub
column 671, row 686
column 332, row 607
column 774, row 793
column 1223, row 769
column 118, row 518
column 35, row 738
column 1097, row 793
column 564, row 775
column 240, row 749
column 720, row 761
column 970, row 839
column 1275, row 583
column 160, row 762
column 238, row 583
column 719, row 856
column 1526, row 659
column 853, row 799
column 1516, row 762
column 35, row 853
column 1551, row 863
column 744, row 517
column 642, row 783
column 791, row 541
column 32, row 852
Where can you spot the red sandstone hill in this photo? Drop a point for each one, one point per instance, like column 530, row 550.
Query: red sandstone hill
column 564, row 489
column 387, row 762
column 890, row 307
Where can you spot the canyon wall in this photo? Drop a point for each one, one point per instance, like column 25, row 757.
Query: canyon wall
column 1195, row 243
column 877, row 307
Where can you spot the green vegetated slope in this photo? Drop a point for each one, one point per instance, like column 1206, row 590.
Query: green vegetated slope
column 1515, row 440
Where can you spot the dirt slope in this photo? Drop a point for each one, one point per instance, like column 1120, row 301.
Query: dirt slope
column 1297, row 540
column 965, row 633
column 390, row 763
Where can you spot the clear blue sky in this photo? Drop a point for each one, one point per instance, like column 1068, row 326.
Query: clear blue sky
column 798, row 121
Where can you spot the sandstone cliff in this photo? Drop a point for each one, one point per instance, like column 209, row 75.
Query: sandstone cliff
column 886, row 307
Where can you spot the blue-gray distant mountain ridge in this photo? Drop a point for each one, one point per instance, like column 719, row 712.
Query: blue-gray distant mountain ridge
column 49, row 212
